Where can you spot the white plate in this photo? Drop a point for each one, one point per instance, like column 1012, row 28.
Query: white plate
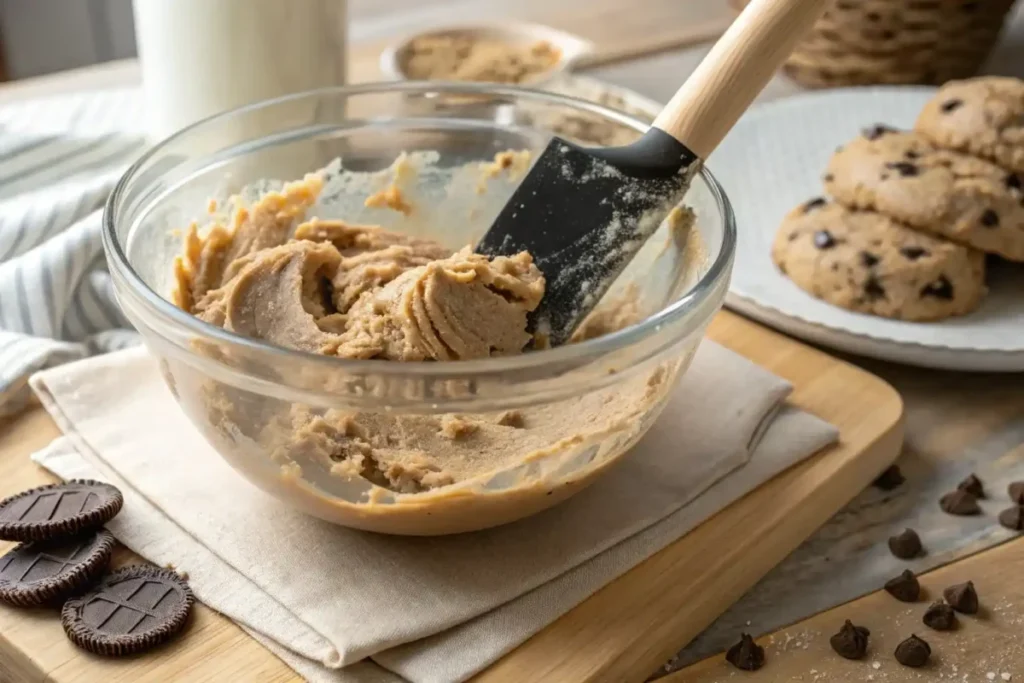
column 772, row 161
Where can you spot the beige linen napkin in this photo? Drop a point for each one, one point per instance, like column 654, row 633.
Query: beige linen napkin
column 428, row 609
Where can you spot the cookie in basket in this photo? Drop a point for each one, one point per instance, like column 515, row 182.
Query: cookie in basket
column 982, row 116
column 866, row 262
column 957, row 196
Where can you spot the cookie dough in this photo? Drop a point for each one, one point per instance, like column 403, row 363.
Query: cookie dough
column 905, row 176
column 467, row 57
column 334, row 288
column 981, row 116
column 866, row 262
column 353, row 291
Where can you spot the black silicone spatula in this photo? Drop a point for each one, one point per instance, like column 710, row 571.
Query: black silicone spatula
column 583, row 213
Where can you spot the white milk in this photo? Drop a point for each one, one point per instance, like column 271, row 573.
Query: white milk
column 200, row 57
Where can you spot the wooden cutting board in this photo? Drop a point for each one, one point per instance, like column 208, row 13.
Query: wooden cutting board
column 622, row 633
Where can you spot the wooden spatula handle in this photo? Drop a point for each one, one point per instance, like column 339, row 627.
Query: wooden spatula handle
column 738, row 67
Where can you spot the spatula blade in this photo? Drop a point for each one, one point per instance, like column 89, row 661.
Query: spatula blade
column 583, row 214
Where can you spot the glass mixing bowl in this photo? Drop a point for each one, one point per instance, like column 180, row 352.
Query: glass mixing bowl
column 572, row 411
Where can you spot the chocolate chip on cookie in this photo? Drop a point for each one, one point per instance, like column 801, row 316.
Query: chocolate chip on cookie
column 989, row 218
column 951, row 105
column 868, row 260
column 940, row 289
column 877, row 131
column 906, row 170
column 913, row 253
column 823, row 239
column 873, row 289
column 815, row 203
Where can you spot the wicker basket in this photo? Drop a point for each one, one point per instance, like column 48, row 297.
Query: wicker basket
column 865, row 42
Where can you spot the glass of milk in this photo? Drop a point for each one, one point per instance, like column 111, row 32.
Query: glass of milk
column 202, row 57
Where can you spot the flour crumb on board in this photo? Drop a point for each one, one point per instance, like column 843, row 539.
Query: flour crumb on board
column 876, row 665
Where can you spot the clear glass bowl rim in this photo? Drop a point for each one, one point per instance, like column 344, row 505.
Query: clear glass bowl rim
column 580, row 353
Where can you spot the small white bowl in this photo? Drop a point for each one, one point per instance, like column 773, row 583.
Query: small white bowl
column 571, row 48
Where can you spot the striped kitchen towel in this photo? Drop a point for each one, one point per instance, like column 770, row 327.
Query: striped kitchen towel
column 59, row 159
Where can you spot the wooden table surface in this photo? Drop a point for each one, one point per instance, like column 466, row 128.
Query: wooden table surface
column 948, row 415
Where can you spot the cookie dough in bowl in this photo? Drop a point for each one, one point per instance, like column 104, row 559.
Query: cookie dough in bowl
column 339, row 343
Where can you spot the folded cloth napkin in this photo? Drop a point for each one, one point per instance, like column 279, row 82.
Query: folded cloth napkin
column 343, row 605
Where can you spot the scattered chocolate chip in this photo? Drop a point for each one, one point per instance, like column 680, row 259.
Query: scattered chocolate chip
column 851, row 642
column 905, row 168
column 132, row 610
column 873, row 16
column 877, row 131
column 815, row 203
column 962, row 597
column 973, row 486
column 911, row 154
column 885, row 176
column 990, row 218
column 913, row 652
column 913, row 253
column 873, row 289
column 906, row 545
column 1013, row 182
column 951, row 105
column 891, row 478
column 793, row 236
column 959, row 503
column 940, row 289
column 58, row 510
column 940, row 617
column 1016, row 491
column 1013, row 518
column 868, row 259
column 904, row 587
column 746, row 654
column 887, row 35
column 823, row 239
column 48, row 572
column 828, row 177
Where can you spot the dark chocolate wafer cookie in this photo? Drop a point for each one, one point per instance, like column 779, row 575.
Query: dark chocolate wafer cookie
column 132, row 610
column 58, row 510
column 48, row 572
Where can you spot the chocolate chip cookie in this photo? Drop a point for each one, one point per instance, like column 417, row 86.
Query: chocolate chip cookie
column 981, row 116
column 866, row 262
column 905, row 176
